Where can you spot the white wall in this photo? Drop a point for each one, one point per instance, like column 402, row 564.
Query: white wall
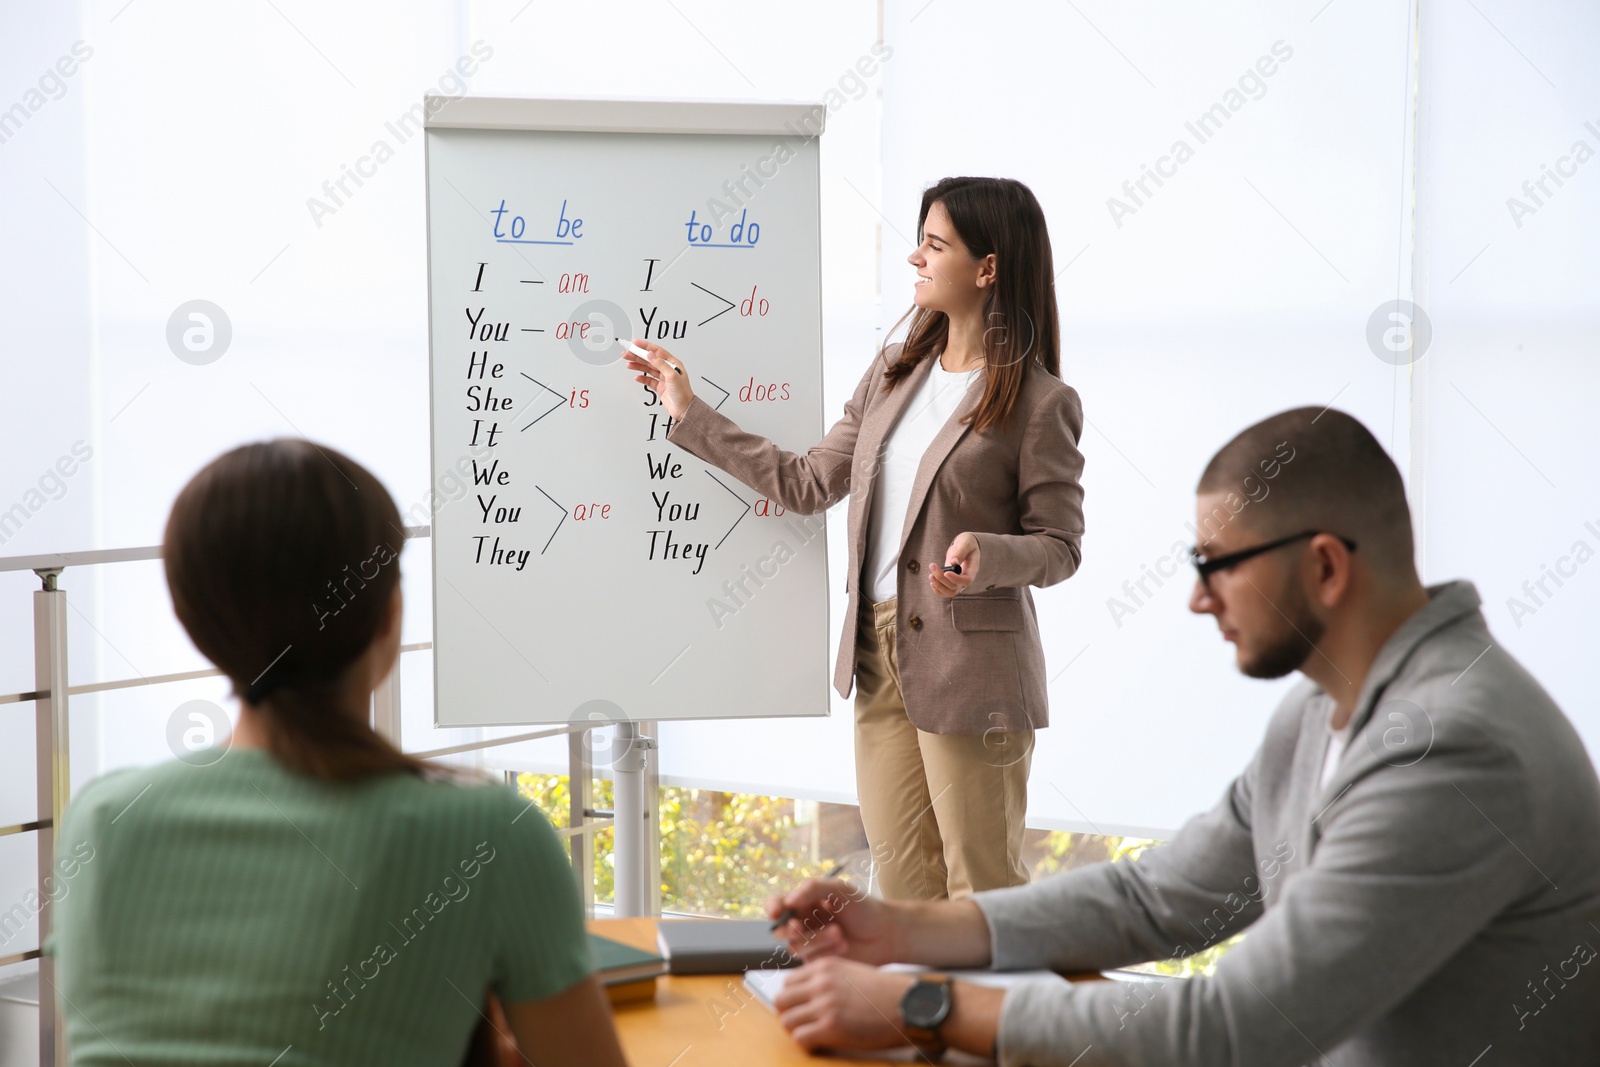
column 1507, row 396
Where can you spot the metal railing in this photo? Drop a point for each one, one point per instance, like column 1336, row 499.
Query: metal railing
column 635, row 774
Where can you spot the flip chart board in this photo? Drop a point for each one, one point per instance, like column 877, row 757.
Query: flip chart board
column 589, row 570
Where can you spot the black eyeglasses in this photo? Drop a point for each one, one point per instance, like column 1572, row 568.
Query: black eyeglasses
column 1207, row 567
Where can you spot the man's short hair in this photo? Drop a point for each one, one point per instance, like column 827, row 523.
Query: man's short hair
column 1316, row 469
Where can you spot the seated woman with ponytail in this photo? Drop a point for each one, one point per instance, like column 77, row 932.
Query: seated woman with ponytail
column 307, row 894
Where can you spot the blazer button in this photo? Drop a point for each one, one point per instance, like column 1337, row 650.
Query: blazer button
column 912, row 566
column 915, row 621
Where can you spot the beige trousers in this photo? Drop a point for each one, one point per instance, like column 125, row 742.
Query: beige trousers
column 943, row 812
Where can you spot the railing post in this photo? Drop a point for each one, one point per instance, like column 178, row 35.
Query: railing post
column 580, row 799
column 53, row 775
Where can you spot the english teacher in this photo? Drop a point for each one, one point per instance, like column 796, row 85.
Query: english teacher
column 959, row 452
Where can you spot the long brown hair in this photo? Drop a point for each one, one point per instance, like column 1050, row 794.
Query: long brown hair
column 1002, row 216
column 282, row 559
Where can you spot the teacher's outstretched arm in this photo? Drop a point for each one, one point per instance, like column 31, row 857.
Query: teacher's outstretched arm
column 803, row 484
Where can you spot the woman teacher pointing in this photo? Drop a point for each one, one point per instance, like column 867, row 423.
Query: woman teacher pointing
column 959, row 452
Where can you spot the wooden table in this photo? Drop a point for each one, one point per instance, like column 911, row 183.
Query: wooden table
column 698, row 1019
column 706, row 1020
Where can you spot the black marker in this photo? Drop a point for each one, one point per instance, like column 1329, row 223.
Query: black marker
column 953, row 567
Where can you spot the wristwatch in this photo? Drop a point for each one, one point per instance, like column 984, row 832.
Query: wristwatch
column 923, row 1009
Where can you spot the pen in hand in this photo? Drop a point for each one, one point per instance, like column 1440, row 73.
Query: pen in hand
column 788, row 913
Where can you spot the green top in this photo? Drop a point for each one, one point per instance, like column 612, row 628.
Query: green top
column 240, row 913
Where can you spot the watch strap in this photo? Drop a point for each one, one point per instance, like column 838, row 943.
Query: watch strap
column 926, row 1039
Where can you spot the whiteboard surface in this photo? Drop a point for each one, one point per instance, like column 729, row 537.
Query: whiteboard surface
column 590, row 571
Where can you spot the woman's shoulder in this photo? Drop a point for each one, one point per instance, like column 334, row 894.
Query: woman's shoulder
column 115, row 789
column 887, row 356
column 120, row 786
column 457, row 790
column 468, row 798
column 1041, row 383
column 1043, row 391
column 490, row 817
column 871, row 385
column 107, row 797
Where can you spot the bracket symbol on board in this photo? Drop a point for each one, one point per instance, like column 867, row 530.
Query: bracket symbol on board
column 735, row 496
column 714, row 385
column 718, row 405
column 720, row 297
column 559, row 521
column 560, row 397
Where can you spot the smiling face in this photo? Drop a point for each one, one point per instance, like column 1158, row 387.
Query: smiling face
column 1260, row 604
column 948, row 279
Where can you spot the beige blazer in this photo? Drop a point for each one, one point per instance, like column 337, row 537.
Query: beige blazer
column 973, row 662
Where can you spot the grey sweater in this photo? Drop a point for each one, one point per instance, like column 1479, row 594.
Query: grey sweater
column 1437, row 902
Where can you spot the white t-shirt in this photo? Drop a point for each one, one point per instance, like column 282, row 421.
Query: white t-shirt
column 924, row 416
column 1337, row 740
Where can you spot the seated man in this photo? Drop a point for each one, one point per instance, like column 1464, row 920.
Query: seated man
column 1414, row 848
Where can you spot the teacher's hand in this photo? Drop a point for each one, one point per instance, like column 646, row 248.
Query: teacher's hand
column 964, row 551
column 662, row 372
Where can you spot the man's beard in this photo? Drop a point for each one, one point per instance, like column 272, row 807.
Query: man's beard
column 1296, row 635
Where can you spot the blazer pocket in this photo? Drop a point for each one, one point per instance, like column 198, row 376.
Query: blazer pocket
column 986, row 613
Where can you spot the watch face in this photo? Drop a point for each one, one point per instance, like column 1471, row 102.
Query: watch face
column 926, row 1004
